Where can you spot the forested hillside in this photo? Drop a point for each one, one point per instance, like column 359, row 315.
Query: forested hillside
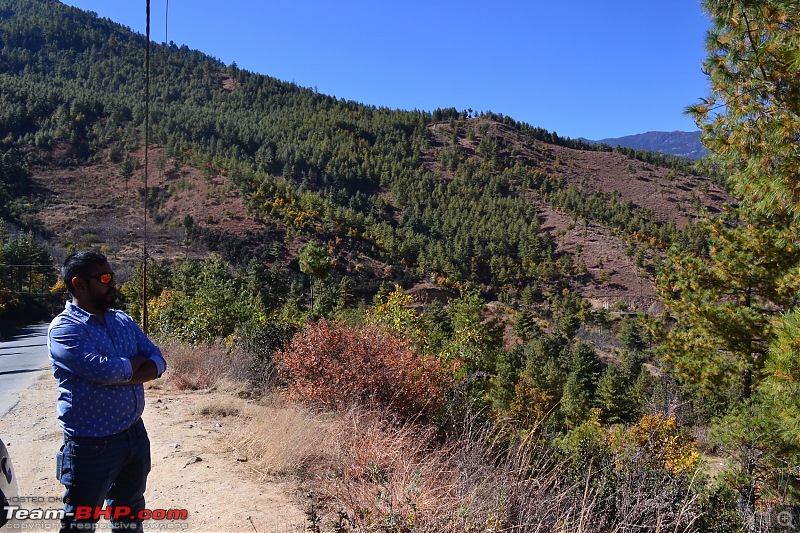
column 454, row 268
column 310, row 167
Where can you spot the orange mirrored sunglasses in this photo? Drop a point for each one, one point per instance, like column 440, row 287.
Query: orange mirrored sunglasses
column 105, row 278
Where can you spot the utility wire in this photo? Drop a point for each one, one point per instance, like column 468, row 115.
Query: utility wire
column 146, row 160
column 166, row 55
column 147, row 139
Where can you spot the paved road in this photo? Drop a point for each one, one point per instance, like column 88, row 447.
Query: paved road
column 22, row 359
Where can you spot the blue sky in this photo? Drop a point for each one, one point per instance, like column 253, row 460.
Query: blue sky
column 582, row 68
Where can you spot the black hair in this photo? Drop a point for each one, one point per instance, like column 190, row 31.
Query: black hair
column 82, row 263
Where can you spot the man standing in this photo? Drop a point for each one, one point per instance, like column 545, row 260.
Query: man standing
column 100, row 358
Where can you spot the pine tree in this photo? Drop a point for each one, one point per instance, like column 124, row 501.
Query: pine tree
column 525, row 325
column 315, row 261
column 612, row 397
column 751, row 119
column 585, row 369
column 729, row 303
column 576, row 400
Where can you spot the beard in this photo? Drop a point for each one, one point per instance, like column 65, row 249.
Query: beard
column 108, row 300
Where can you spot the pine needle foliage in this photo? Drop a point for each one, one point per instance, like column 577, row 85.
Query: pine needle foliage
column 751, row 119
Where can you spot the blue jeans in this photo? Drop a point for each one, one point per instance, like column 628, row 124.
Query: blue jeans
column 112, row 469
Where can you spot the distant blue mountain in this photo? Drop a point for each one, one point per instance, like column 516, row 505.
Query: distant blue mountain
column 680, row 143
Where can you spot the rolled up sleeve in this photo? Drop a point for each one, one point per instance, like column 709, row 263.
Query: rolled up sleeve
column 147, row 348
column 161, row 364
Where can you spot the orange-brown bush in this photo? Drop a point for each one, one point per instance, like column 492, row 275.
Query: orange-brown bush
column 336, row 365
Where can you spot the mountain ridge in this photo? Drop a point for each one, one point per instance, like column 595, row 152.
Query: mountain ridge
column 678, row 143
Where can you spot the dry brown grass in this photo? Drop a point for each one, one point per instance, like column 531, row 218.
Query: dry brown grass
column 398, row 478
column 227, row 406
column 369, row 474
column 377, row 472
column 212, row 366
column 281, row 438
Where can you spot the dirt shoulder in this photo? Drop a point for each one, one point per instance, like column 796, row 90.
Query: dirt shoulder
column 194, row 466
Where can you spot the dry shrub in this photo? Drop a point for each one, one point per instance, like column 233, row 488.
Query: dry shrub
column 384, row 477
column 224, row 406
column 335, row 365
column 388, row 477
column 378, row 475
column 205, row 366
column 360, row 463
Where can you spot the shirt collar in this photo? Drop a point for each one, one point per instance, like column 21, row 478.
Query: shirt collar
column 80, row 313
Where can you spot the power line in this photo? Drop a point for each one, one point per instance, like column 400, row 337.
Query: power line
column 3, row 265
column 146, row 160
column 147, row 140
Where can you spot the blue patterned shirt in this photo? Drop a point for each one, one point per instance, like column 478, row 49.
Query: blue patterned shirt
column 91, row 363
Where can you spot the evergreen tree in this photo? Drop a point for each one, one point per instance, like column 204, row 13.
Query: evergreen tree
column 613, row 397
column 585, row 369
column 26, row 276
column 315, row 261
column 576, row 400
column 525, row 325
column 729, row 302
column 633, row 335
column 751, row 119
column 508, row 368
